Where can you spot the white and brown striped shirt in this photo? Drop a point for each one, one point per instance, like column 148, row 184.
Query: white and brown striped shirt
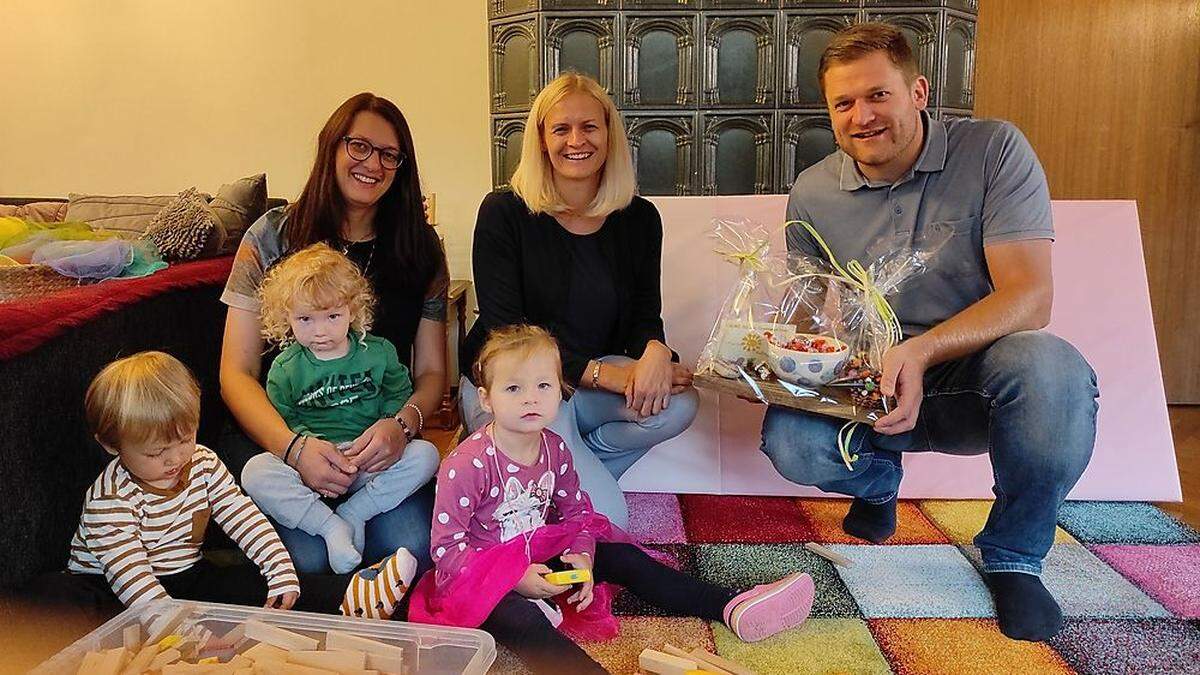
column 131, row 531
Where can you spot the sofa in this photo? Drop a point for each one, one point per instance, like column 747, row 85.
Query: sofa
column 50, row 349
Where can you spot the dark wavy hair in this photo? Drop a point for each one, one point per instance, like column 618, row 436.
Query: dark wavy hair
column 399, row 217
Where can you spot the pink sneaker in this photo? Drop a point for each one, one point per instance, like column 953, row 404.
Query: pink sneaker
column 768, row 609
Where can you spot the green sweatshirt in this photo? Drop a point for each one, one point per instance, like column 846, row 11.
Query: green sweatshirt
column 338, row 399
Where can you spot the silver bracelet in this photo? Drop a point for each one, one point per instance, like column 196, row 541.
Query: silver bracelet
column 420, row 417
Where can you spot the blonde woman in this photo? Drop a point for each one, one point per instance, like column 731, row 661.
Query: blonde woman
column 571, row 248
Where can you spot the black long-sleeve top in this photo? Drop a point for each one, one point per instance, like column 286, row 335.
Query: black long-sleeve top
column 523, row 271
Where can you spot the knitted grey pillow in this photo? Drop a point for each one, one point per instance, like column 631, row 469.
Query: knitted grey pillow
column 182, row 230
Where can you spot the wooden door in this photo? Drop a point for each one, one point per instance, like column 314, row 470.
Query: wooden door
column 1108, row 93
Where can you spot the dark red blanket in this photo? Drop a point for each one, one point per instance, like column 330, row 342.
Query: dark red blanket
column 27, row 323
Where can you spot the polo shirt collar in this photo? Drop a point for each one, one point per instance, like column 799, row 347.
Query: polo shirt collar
column 931, row 159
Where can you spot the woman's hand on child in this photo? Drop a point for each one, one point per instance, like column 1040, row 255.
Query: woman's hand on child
column 533, row 585
column 323, row 468
column 583, row 596
column 648, row 391
column 284, row 601
column 379, row 447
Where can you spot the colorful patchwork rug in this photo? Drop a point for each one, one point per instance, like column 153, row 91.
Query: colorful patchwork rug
column 1126, row 574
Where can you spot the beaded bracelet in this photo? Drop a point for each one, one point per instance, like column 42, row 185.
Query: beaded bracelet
column 420, row 417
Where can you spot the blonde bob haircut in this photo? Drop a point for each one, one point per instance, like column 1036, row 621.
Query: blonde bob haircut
column 521, row 340
column 315, row 278
column 147, row 397
column 533, row 179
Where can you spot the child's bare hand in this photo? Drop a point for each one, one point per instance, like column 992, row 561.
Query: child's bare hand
column 532, row 585
column 323, row 468
column 285, row 601
column 379, row 447
column 583, row 596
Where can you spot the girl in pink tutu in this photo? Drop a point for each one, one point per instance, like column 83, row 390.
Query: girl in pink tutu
column 510, row 509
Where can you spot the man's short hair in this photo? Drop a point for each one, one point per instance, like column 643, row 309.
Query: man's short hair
column 863, row 39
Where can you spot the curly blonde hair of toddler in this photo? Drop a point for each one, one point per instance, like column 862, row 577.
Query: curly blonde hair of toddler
column 314, row 278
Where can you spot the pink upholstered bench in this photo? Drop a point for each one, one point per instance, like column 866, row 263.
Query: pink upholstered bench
column 1102, row 305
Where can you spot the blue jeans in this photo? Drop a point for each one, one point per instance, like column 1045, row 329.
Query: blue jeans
column 1028, row 400
column 605, row 436
column 407, row 525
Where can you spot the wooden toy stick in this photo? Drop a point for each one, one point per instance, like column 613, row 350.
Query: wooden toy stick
column 720, row 662
column 653, row 661
column 700, row 665
column 829, row 554
column 278, row 637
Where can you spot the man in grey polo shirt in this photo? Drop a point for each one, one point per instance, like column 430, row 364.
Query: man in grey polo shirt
column 974, row 374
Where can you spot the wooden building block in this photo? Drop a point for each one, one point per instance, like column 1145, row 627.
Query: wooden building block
column 654, row 661
column 141, row 661
column 380, row 655
column 111, row 662
column 721, row 662
column 166, row 623
column 274, row 635
column 165, row 658
column 829, row 554
column 334, row 659
column 700, row 665
column 265, row 652
column 132, row 637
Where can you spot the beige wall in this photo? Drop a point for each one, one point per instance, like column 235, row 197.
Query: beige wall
column 153, row 96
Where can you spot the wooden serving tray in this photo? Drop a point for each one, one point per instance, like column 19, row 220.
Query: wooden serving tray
column 775, row 394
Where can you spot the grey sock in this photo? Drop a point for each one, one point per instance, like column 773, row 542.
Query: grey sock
column 339, row 541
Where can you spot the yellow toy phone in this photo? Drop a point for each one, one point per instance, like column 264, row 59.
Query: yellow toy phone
column 568, row 577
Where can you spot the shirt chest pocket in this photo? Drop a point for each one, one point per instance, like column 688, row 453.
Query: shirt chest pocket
column 961, row 256
column 200, row 525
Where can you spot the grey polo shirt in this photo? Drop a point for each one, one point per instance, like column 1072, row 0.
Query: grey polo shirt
column 979, row 179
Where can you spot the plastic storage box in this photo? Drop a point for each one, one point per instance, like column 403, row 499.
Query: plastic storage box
column 428, row 650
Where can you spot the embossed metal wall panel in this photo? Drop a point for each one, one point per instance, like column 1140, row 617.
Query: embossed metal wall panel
column 583, row 43
column 741, row 4
column 805, row 138
column 659, row 61
column 922, row 32
column 805, row 37
column 822, row 4
column 738, row 58
column 499, row 8
column 871, row 4
column 738, row 152
column 971, row 6
column 579, row 4
column 507, row 135
column 515, row 70
column 958, row 85
column 674, row 5
column 718, row 95
column 664, row 153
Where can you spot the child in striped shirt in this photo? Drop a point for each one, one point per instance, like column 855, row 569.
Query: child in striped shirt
column 145, row 517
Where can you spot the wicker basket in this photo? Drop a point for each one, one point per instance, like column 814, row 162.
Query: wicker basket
column 28, row 281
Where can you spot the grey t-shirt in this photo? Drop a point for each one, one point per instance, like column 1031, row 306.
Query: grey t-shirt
column 979, row 179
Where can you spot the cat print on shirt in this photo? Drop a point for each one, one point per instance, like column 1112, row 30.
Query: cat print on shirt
column 524, row 507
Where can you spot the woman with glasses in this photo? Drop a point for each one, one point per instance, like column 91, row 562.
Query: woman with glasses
column 363, row 197
column 571, row 248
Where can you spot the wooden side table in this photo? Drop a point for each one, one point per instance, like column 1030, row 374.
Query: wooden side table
column 447, row 416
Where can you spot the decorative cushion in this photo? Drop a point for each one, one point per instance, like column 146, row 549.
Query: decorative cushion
column 36, row 212
column 127, row 215
column 237, row 205
column 185, row 228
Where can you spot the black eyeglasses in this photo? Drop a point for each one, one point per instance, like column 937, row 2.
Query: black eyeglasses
column 361, row 149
